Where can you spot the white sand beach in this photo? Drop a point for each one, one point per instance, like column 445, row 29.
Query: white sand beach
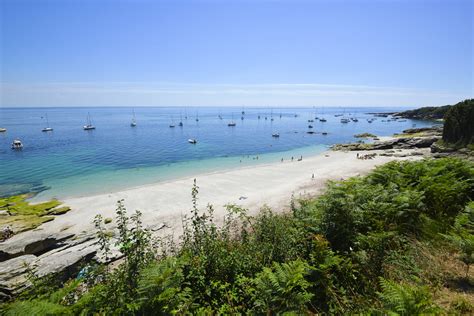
column 252, row 187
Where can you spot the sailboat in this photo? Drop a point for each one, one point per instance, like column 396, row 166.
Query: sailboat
column 231, row 123
column 172, row 123
column 180, row 120
column 47, row 128
column 89, row 125
column 197, row 117
column 134, row 121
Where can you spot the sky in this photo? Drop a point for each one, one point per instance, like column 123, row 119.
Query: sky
column 235, row 53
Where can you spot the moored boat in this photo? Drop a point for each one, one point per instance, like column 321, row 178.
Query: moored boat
column 89, row 125
column 134, row 121
column 17, row 145
column 47, row 128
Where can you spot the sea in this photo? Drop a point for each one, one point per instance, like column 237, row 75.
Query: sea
column 72, row 162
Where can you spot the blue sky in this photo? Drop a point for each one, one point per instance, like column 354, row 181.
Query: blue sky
column 241, row 53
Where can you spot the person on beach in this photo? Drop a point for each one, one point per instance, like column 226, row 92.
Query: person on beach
column 291, row 158
column 312, row 177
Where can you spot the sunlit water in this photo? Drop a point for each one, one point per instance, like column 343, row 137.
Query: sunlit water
column 72, row 162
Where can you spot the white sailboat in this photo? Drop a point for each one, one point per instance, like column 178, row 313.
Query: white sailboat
column 89, row 125
column 47, row 128
column 134, row 121
column 231, row 123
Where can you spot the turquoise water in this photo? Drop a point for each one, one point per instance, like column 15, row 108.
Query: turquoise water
column 72, row 162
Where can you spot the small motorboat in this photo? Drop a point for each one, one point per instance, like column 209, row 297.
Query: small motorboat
column 17, row 145
column 231, row 124
column 310, row 132
column 192, row 141
column 276, row 135
column 344, row 120
column 180, row 124
column 2, row 130
column 172, row 125
column 310, row 121
column 324, row 133
column 310, row 126
column 354, row 119
column 323, row 120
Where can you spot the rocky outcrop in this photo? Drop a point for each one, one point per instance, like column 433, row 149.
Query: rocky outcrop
column 436, row 130
column 395, row 143
column 13, row 275
column 31, row 243
column 61, row 254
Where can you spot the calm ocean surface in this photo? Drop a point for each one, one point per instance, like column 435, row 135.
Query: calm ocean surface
column 72, row 162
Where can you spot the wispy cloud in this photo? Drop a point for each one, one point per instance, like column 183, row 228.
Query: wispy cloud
column 171, row 94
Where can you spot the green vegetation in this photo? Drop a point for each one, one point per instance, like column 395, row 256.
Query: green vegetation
column 459, row 124
column 395, row 242
column 21, row 215
column 426, row 113
column 365, row 135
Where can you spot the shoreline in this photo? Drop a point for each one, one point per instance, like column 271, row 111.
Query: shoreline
column 251, row 187
column 249, row 162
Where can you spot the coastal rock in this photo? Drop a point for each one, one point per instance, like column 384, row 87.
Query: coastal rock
column 65, row 262
column 422, row 142
column 13, row 274
column 396, row 143
column 438, row 148
column 434, row 130
column 33, row 243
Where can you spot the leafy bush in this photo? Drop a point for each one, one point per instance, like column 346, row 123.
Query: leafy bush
column 406, row 299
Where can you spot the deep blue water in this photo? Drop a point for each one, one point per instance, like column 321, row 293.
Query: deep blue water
column 74, row 161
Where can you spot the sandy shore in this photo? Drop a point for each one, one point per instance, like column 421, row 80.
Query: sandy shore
column 252, row 187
